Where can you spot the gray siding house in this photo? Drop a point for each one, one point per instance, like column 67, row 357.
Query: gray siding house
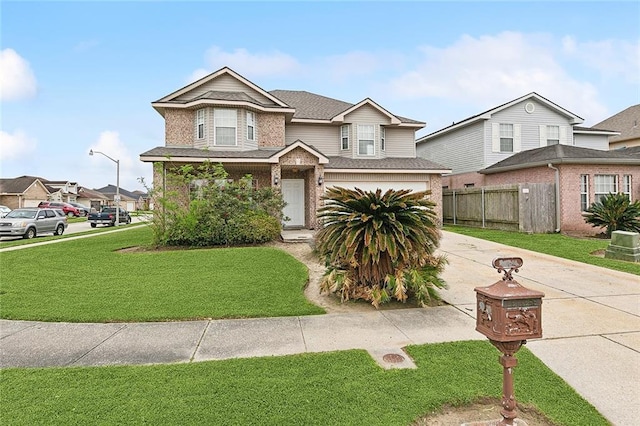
column 482, row 140
column 297, row 141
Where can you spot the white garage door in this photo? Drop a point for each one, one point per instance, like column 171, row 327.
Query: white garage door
column 384, row 186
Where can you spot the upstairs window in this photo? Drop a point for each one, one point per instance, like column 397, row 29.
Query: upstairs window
column 344, row 137
column 366, row 139
column 251, row 126
column 382, row 138
column 604, row 185
column 584, row 192
column 506, row 137
column 225, row 124
column 553, row 135
column 200, row 124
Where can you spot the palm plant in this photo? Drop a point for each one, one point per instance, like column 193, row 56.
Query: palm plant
column 615, row 212
column 379, row 246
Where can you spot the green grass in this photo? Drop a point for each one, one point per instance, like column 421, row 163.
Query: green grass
column 338, row 388
column 578, row 249
column 90, row 280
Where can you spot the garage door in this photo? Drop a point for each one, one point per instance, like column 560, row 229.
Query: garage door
column 384, row 186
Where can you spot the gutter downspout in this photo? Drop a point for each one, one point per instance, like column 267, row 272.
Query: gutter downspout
column 557, row 196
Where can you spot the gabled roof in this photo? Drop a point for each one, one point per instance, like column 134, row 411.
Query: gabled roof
column 626, row 122
column 21, row 184
column 488, row 113
column 310, row 107
column 110, row 190
column 561, row 154
column 221, row 97
column 91, row 194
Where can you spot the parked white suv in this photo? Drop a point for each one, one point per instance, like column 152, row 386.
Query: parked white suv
column 29, row 222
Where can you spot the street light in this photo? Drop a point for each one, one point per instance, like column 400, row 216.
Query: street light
column 116, row 199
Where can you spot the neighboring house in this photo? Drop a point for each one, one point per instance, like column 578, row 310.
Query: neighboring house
column 128, row 200
column 582, row 176
column 63, row 190
column 627, row 123
column 91, row 198
column 528, row 122
column 297, row 141
column 23, row 191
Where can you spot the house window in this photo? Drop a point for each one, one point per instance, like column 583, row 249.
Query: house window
column 506, row 137
column 344, row 136
column 604, row 185
column 251, row 126
column 553, row 135
column 382, row 138
column 584, row 192
column 366, row 139
column 469, row 185
column 225, row 122
column 626, row 185
column 200, row 124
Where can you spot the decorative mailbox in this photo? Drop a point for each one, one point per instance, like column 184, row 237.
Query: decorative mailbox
column 507, row 311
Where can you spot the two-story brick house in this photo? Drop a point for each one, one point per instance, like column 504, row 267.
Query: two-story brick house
column 297, row 141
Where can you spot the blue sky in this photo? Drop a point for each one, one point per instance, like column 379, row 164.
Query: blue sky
column 76, row 76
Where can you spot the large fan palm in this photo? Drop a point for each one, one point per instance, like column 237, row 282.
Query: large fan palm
column 615, row 212
column 376, row 244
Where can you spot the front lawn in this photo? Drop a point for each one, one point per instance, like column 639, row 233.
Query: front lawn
column 93, row 280
column 572, row 248
column 338, row 388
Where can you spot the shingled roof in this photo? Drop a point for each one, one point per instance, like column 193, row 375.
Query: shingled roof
column 561, row 154
column 404, row 164
column 20, row 184
column 627, row 122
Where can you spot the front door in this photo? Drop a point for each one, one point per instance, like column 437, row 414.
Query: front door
column 293, row 194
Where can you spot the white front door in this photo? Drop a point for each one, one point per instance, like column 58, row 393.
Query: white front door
column 293, row 194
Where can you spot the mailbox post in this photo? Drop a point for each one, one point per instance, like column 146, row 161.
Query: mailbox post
column 508, row 314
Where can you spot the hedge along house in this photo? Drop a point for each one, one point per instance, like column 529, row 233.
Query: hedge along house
column 296, row 141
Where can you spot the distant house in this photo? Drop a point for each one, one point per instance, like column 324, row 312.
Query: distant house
column 91, row 198
column 529, row 122
column 129, row 201
column 627, row 123
column 23, row 191
column 296, row 141
column 582, row 175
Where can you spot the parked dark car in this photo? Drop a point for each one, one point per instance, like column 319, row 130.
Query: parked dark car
column 107, row 216
column 29, row 222
column 67, row 208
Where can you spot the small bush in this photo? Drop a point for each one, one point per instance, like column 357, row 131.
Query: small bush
column 204, row 208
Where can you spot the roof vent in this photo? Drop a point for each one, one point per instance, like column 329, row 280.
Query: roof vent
column 529, row 107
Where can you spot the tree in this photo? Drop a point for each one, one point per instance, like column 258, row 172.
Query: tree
column 380, row 246
column 615, row 212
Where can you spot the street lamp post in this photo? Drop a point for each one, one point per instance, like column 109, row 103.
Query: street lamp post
column 116, row 199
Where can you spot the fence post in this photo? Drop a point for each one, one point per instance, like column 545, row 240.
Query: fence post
column 454, row 207
column 482, row 197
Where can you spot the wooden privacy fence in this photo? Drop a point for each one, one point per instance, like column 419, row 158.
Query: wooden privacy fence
column 527, row 207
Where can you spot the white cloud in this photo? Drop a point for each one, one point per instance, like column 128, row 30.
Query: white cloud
column 17, row 80
column 611, row 58
column 15, row 146
column 274, row 63
column 490, row 70
column 131, row 168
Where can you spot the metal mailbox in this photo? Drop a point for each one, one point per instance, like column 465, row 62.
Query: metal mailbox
column 507, row 311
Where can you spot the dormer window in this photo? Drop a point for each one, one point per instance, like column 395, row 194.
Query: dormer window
column 366, row 139
column 225, row 123
column 344, row 137
column 251, row 126
column 200, row 124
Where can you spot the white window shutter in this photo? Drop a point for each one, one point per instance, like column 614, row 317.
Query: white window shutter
column 495, row 137
column 543, row 135
column 517, row 140
column 563, row 135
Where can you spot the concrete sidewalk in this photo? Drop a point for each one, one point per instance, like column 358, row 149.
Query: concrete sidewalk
column 591, row 329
